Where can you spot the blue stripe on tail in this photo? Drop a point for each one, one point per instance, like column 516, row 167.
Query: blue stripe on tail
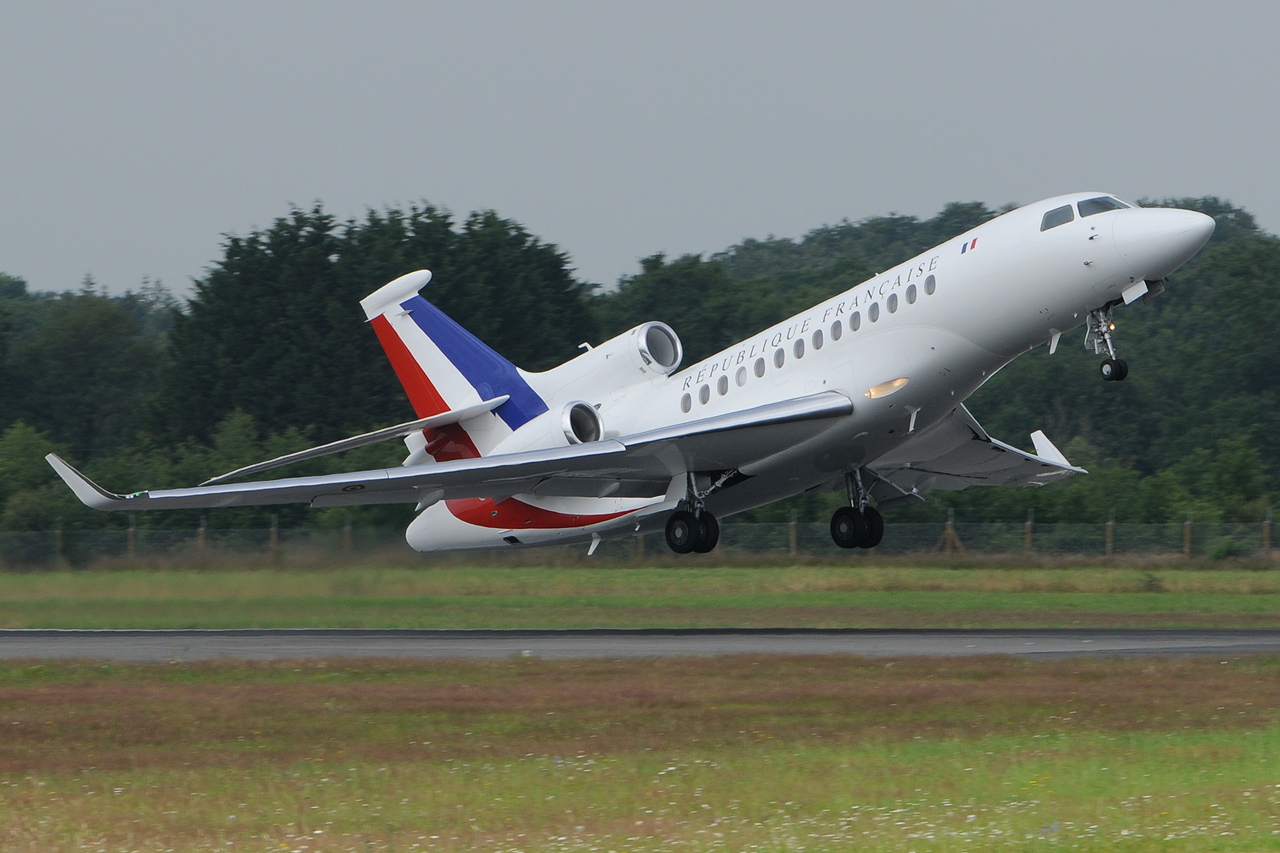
column 489, row 373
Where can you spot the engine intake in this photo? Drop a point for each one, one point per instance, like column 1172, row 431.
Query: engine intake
column 659, row 347
column 582, row 423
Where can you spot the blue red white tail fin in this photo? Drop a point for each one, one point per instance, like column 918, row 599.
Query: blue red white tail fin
column 443, row 367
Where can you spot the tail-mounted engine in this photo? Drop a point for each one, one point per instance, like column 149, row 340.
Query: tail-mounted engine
column 649, row 352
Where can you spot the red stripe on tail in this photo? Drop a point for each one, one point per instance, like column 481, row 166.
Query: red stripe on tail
column 445, row 443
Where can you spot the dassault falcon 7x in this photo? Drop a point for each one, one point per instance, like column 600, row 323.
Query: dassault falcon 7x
column 861, row 394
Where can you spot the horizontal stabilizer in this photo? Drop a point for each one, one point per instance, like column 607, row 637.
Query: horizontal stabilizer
column 385, row 434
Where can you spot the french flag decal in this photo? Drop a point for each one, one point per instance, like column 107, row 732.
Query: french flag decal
column 970, row 245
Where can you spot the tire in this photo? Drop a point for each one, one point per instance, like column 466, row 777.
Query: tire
column 683, row 531
column 1124, row 369
column 710, row 533
column 1110, row 370
column 848, row 527
column 875, row 529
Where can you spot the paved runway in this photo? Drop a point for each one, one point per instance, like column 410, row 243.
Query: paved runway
column 162, row 646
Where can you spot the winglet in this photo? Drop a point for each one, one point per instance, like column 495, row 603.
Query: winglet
column 90, row 493
column 1045, row 449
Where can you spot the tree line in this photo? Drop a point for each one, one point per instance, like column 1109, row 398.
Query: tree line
column 271, row 354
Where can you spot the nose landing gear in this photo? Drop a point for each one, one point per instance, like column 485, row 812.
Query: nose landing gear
column 1098, row 336
column 857, row 525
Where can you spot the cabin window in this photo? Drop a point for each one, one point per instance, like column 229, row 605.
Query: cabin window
column 1057, row 216
column 817, row 339
column 722, row 385
column 686, row 403
column 741, row 378
column 855, row 321
column 704, row 394
column 930, row 285
column 798, row 349
column 779, row 357
column 1101, row 204
column 836, row 330
column 873, row 313
column 892, row 303
column 911, row 294
column 759, row 367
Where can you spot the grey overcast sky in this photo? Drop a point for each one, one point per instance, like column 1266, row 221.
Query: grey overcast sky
column 136, row 134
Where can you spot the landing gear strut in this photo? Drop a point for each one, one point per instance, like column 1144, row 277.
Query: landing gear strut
column 1098, row 336
column 858, row 525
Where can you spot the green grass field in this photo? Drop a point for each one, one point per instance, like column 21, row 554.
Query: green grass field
column 461, row 596
column 744, row 753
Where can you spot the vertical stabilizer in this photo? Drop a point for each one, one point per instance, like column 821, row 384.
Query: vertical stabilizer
column 443, row 367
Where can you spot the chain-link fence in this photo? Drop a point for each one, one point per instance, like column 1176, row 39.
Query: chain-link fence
column 1204, row 541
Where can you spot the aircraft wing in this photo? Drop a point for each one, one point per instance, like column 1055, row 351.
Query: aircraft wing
column 956, row 453
column 637, row 465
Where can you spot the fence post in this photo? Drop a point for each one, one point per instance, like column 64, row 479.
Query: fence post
column 1111, row 532
column 273, row 538
column 791, row 535
column 57, row 545
column 346, row 534
column 1031, row 520
column 131, row 539
column 1266, row 536
column 950, row 541
column 1186, row 536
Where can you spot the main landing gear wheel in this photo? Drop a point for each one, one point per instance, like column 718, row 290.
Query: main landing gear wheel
column 875, row 528
column 853, row 529
column 684, row 532
column 710, row 533
column 1114, row 369
column 848, row 527
column 687, row 532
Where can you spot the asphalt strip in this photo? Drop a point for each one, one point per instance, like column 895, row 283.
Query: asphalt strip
column 285, row 644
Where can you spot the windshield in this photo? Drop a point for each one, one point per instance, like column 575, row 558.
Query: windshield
column 1101, row 204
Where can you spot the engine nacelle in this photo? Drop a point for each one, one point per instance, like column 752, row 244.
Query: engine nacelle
column 649, row 352
column 581, row 422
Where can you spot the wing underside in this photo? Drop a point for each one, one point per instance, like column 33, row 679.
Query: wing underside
column 956, row 453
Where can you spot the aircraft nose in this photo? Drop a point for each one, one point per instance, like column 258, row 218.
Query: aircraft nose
column 1156, row 241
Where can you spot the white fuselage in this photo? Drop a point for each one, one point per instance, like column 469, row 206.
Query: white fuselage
column 943, row 321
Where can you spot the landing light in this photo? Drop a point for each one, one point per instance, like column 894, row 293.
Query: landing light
column 884, row 389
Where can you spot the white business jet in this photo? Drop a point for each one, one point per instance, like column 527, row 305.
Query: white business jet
column 861, row 394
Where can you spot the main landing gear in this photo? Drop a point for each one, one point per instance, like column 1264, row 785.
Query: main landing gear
column 858, row 525
column 695, row 529
column 1098, row 336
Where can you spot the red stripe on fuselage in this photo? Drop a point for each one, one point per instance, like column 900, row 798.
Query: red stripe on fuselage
column 445, row 443
column 513, row 514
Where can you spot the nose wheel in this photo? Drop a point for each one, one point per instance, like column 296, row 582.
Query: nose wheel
column 1098, row 336
column 1114, row 370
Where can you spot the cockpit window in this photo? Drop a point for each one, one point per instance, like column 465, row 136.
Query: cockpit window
column 1057, row 216
column 1101, row 204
